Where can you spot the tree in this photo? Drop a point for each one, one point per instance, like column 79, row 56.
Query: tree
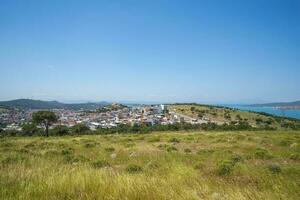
column 45, row 118
column 60, row 130
column 80, row 128
column 29, row 129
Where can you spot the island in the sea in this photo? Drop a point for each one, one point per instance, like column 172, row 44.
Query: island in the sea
column 295, row 105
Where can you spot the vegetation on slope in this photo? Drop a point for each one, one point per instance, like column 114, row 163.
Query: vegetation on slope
column 38, row 104
column 182, row 165
column 221, row 115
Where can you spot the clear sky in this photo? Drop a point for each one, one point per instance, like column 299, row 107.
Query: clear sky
column 211, row 51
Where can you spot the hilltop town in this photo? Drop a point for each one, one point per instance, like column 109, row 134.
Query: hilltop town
column 109, row 116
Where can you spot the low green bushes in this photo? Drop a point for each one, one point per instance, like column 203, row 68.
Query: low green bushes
column 274, row 168
column 225, row 167
column 262, row 154
column 101, row 164
column 133, row 168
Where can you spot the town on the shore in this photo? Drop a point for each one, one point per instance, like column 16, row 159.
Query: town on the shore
column 109, row 116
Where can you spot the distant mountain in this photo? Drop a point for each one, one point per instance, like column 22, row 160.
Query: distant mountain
column 38, row 104
column 279, row 104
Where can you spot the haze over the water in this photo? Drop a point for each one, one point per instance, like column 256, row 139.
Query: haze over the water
column 164, row 51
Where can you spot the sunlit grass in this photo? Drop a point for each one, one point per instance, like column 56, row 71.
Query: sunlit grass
column 180, row 165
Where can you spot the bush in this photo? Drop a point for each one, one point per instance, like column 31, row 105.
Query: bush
column 70, row 158
column 7, row 145
column 262, row 154
column 132, row 168
column 199, row 165
column 29, row 129
column 154, row 139
column 110, row 149
column 174, row 140
column 60, row 130
column 284, row 143
column 295, row 156
column 187, row 150
column 162, row 146
column 236, row 158
column 80, row 128
column 274, row 168
column 100, row 164
column 90, row 145
column 225, row 167
column 12, row 159
column 172, row 148
column 205, row 151
column 258, row 120
column 67, row 151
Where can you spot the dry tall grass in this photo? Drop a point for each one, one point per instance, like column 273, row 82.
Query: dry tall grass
column 194, row 165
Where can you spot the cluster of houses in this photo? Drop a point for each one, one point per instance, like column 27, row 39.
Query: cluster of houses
column 104, row 118
column 149, row 115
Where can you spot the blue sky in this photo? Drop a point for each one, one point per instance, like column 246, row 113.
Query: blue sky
column 160, row 51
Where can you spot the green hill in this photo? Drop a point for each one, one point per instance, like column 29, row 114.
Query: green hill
column 278, row 104
column 38, row 104
column 221, row 115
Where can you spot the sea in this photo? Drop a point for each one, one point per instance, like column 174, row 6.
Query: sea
column 269, row 110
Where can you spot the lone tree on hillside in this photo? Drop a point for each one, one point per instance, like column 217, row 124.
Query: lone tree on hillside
column 45, row 118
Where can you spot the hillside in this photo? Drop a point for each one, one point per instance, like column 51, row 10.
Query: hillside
column 221, row 115
column 279, row 104
column 178, row 165
column 38, row 104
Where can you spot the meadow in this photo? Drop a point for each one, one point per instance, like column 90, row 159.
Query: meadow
column 166, row 165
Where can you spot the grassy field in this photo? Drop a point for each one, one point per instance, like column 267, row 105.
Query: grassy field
column 178, row 165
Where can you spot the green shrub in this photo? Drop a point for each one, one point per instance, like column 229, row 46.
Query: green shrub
column 60, row 130
column 295, row 156
column 90, row 145
column 162, row 146
column 53, row 153
column 100, row 164
column 132, row 168
column 29, row 129
column 171, row 148
column 7, row 144
column 284, row 143
column 240, row 137
column 274, row 168
column 110, row 149
column 80, row 129
column 225, row 167
column 129, row 144
column 67, row 151
column 24, row 150
column 236, row 158
column 205, row 151
column 199, row 165
column 154, row 139
column 30, row 145
column 262, row 154
column 187, row 150
column 190, row 138
column 70, row 158
column 12, row 159
column 174, row 140
column 141, row 138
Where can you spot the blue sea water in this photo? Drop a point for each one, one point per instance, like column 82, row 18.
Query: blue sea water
column 269, row 110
